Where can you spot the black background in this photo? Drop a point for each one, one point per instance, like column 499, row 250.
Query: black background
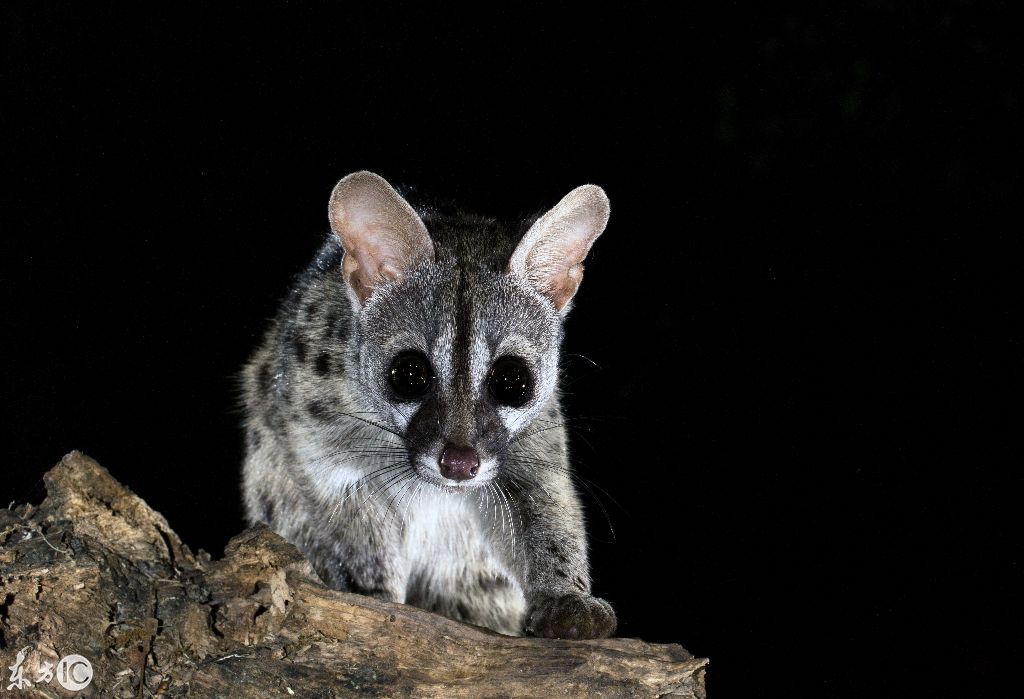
column 800, row 314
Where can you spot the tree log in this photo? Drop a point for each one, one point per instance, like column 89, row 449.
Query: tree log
column 93, row 571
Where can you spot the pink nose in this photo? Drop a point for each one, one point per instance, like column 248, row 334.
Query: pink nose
column 459, row 463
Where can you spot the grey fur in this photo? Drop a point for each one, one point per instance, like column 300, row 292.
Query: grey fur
column 337, row 466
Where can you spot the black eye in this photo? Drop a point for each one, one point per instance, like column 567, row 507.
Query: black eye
column 410, row 375
column 510, row 382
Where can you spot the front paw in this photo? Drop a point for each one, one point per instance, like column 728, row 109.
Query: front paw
column 571, row 616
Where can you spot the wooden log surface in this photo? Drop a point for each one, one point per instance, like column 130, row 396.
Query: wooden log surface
column 93, row 571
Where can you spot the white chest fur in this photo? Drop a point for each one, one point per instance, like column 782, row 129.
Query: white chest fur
column 444, row 541
column 452, row 565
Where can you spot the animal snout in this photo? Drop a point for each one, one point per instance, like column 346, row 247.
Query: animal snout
column 459, row 463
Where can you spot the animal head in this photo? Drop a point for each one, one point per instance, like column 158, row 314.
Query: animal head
column 458, row 328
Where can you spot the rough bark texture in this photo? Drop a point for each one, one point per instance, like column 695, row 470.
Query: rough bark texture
column 94, row 571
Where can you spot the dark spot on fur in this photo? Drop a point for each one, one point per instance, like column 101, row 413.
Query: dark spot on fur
column 370, row 590
column 300, row 350
column 255, row 439
column 554, row 550
column 268, row 508
column 318, row 410
column 322, row 364
column 264, row 377
column 330, row 322
column 463, row 610
column 488, row 583
column 341, row 580
column 312, row 308
column 561, row 572
column 274, row 422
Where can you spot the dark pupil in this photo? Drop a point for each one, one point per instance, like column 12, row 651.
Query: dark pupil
column 410, row 375
column 510, row 382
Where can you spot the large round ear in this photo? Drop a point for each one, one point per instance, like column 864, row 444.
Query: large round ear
column 550, row 255
column 382, row 235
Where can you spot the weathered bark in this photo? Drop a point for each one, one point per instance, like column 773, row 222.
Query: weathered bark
column 94, row 571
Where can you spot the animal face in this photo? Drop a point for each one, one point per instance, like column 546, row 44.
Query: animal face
column 458, row 328
column 460, row 360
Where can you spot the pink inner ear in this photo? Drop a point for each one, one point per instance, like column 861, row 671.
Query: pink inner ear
column 371, row 262
column 382, row 235
column 550, row 255
column 355, row 277
column 564, row 286
column 555, row 265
